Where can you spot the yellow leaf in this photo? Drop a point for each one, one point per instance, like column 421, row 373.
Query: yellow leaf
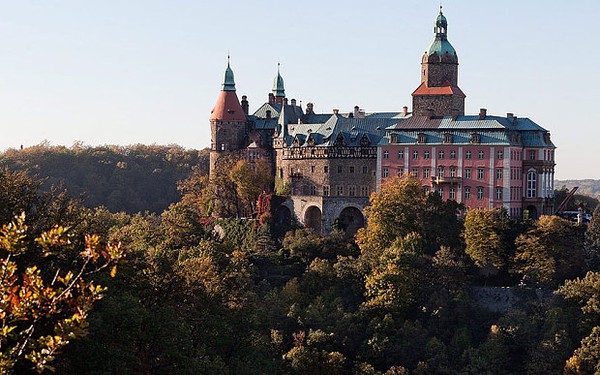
column 113, row 271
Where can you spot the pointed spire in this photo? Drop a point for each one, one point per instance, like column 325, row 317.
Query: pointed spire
column 278, row 89
column 228, row 82
column 283, row 124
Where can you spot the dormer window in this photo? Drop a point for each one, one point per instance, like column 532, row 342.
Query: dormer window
column 339, row 141
column 447, row 138
column 421, row 138
column 475, row 138
column 394, row 138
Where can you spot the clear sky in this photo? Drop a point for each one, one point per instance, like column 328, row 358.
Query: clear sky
column 148, row 71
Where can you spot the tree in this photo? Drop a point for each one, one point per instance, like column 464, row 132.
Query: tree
column 592, row 235
column 41, row 312
column 585, row 293
column 395, row 280
column 550, row 252
column 394, row 212
column 483, row 237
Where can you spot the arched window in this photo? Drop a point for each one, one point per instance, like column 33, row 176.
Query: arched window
column 531, row 184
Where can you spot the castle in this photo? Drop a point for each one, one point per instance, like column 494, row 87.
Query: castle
column 333, row 162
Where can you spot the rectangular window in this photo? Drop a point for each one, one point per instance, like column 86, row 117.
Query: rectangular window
column 467, row 192
column 415, row 172
column 340, row 169
column 480, row 193
column 452, row 154
column 499, row 193
column 480, row 173
column 452, row 171
column 365, row 169
column 364, row 191
column 400, row 154
column 340, row 190
column 498, row 173
column 440, row 171
column 531, row 184
column 480, row 154
column 441, row 155
column 441, row 192
column 415, row 154
column 326, row 169
column 426, row 155
column 467, row 172
column 386, row 172
column 452, row 194
column 351, row 190
column 500, row 155
column 386, row 154
column 400, row 171
column 312, row 169
column 313, row 190
column 326, row 191
column 468, row 155
column 531, row 154
column 351, row 169
column 425, row 172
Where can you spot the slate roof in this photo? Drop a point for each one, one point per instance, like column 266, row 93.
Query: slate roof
column 491, row 129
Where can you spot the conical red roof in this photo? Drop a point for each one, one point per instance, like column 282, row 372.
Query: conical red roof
column 228, row 108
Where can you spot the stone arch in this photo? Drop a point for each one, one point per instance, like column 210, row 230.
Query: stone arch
column 313, row 218
column 350, row 220
column 533, row 212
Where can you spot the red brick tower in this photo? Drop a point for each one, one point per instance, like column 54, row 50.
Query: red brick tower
column 228, row 123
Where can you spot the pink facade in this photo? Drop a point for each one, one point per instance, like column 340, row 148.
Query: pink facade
column 477, row 175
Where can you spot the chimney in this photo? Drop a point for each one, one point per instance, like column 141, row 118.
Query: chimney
column 515, row 120
column 510, row 115
column 285, row 102
column 268, row 113
column 356, row 112
column 293, row 101
column 482, row 113
column 404, row 111
column 309, row 108
column 271, row 98
column 336, row 111
column 244, row 103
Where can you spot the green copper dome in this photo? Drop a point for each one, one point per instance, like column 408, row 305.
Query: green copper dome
column 228, row 82
column 278, row 89
column 440, row 44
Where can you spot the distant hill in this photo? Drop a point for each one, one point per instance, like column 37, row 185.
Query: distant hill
column 122, row 178
column 586, row 187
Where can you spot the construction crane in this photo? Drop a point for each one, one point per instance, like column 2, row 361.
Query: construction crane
column 563, row 204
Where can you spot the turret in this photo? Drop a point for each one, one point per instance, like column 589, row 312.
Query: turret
column 227, row 120
column 439, row 92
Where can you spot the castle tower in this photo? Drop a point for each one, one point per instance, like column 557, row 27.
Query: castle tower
column 277, row 95
column 228, row 123
column 439, row 94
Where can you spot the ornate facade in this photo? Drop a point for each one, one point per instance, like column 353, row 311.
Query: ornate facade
column 333, row 162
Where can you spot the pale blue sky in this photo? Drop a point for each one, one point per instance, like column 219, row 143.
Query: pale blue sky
column 146, row 71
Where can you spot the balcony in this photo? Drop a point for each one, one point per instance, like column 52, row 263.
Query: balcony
column 446, row 180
